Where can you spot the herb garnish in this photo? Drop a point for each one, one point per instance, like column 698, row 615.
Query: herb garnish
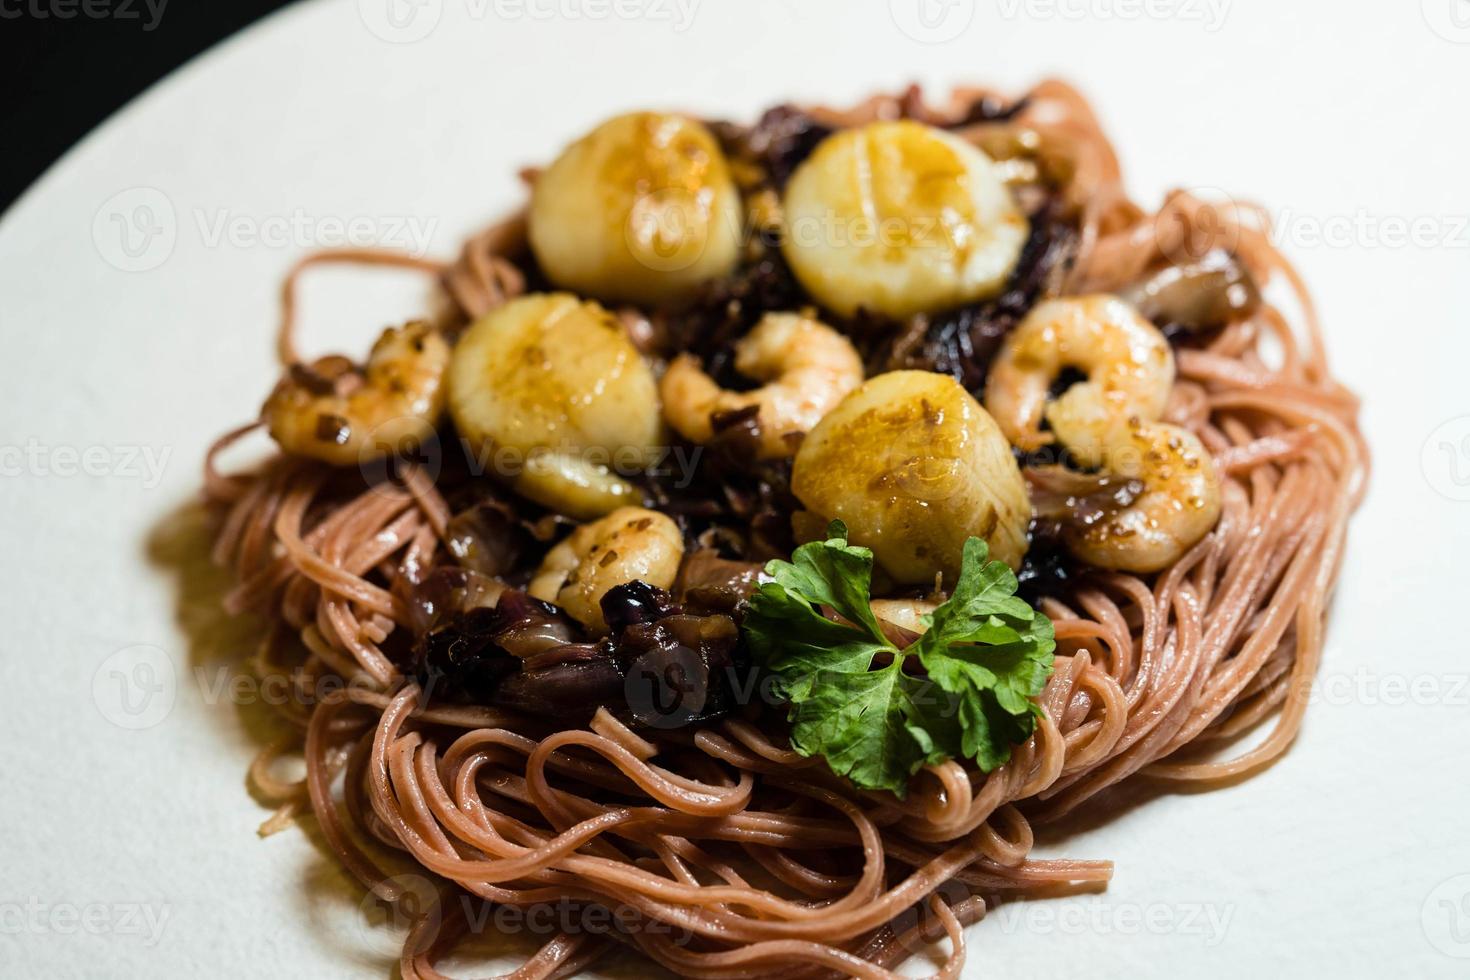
column 985, row 656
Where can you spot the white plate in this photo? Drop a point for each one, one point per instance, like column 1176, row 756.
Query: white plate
column 139, row 287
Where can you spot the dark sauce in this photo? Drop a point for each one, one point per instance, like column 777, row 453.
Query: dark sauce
column 1048, row 569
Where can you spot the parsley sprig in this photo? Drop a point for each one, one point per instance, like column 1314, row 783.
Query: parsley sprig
column 854, row 696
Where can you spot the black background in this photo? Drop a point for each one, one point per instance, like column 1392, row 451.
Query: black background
column 62, row 75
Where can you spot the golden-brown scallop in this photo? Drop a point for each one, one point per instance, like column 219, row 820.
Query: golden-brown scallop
column 551, row 395
column 914, row 466
column 900, row 218
column 640, row 210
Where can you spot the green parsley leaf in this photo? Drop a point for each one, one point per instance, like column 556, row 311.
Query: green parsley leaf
column 856, row 699
column 835, row 574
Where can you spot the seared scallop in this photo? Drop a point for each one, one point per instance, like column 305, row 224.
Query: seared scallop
column 640, row 210
column 914, row 466
column 899, row 218
column 551, row 395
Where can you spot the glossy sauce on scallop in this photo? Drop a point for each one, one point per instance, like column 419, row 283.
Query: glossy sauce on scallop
column 899, row 218
column 552, row 395
column 641, row 210
column 913, row 465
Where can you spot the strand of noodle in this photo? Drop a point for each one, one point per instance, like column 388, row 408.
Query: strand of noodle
column 255, row 588
column 338, row 660
column 318, row 783
column 482, row 280
column 430, row 502
column 218, row 487
column 285, row 336
column 604, row 724
column 247, row 505
column 668, row 788
column 331, row 577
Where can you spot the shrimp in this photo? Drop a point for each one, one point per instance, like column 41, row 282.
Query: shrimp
column 1110, row 422
column 1128, row 363
column 343, row 413
column 1179, row 505
column 630, row 544
column 809, row 367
